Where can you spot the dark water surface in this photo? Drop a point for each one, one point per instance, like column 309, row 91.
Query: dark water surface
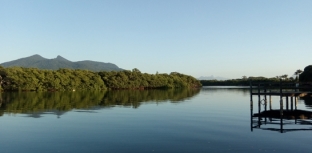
column 166, row 121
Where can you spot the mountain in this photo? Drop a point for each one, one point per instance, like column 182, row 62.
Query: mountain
column 211, row 78
column 40, row 62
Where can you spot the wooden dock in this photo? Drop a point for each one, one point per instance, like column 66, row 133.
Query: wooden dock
column 283, row 90
column 289, row 94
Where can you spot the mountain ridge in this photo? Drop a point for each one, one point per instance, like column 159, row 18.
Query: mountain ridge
column 37, row 61
column 211, row 78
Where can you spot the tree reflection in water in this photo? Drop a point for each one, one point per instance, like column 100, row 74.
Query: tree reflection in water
column 37, row 103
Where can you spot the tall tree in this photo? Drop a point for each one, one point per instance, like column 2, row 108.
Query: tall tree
column 306, row 75
column 297, row 73
column 284, row 76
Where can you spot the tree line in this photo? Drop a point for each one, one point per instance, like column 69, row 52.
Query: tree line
column 33, row 79
column 300, row 76
column 242, row 82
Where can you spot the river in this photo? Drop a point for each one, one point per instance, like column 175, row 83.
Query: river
column 211, row 119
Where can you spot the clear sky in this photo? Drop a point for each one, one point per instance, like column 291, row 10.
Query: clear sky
column 227, row 38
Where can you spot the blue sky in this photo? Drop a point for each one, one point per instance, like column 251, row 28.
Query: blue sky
column 227, row 38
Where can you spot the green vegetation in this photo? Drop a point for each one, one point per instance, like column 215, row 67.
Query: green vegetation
column 241, row 82
column 36, row 61
column 301, row 76
column 135, row 79
column 297, row 73
column 29, row 102
column 246, row 81
column 33, row 79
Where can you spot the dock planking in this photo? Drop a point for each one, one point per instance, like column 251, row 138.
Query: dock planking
column 284, row 94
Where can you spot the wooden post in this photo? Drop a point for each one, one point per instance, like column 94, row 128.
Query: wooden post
column 251, row 107
column 296, row 101
column 251, row 115
column 295, row 109
column 281, row 98
column 287, row 102
column 250, row 88
column 265, row 103
column 250, row 92
column 265, row 99
column 259, row 99
column 270, row 97
column 292, row 103
column 270, row 102
column 259, row 106
column 281, row 106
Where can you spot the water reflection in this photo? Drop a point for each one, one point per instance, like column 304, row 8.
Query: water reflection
column 233, row 89
column 36, row 104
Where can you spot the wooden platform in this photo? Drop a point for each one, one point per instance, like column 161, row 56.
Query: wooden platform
column 288, row 93
column 284, row 94
column 281, row 89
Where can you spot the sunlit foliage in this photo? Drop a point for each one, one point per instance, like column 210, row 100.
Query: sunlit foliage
column 33, row 79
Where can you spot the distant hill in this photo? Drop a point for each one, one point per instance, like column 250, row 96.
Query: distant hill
column 211, row 78
column 37, row 61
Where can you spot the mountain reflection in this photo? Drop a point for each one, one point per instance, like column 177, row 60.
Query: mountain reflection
column 35, row 104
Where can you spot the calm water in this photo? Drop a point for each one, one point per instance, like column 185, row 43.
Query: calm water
column 181, row 121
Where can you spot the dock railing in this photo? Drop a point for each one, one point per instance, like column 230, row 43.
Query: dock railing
column 280, row 88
